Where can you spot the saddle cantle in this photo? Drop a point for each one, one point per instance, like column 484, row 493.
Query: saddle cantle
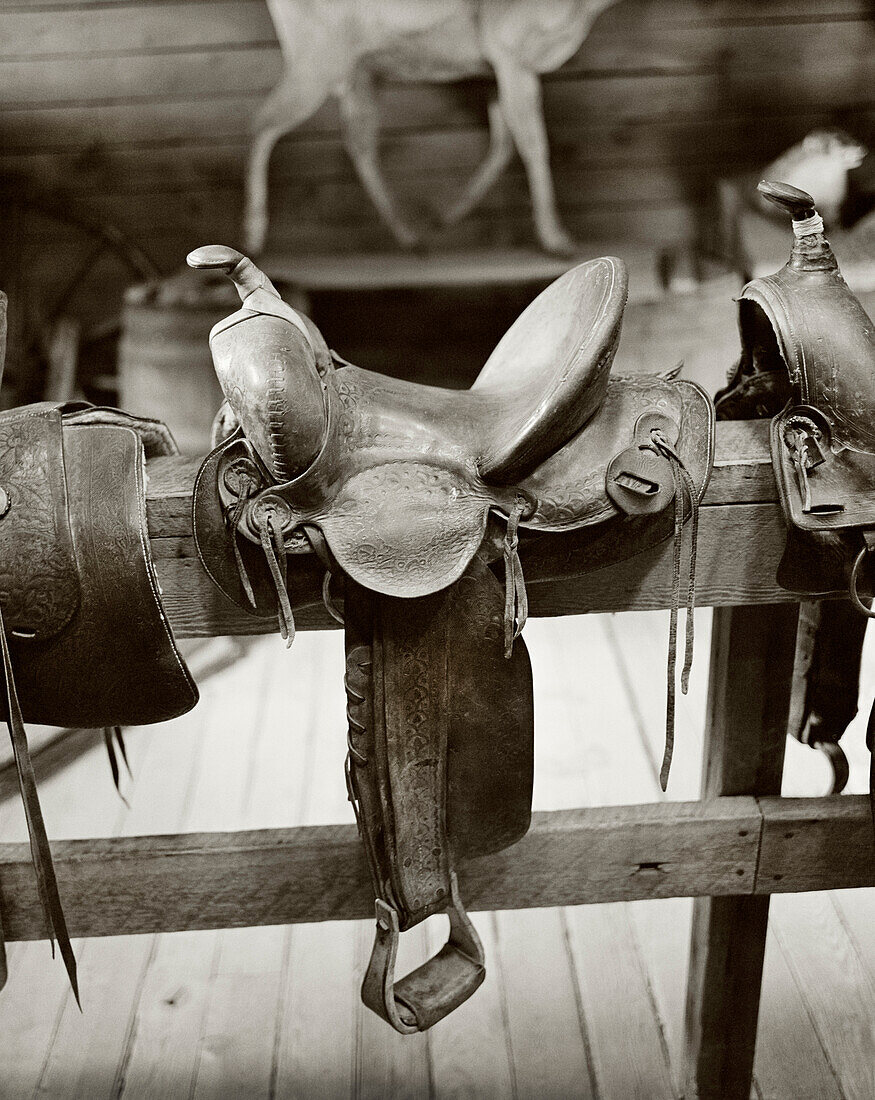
column 83, row 635
column 414, row 498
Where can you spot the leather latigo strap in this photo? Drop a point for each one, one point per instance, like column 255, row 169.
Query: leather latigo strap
column 85, row 641
column 439, row 768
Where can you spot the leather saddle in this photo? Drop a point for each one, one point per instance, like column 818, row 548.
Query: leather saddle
column 808, row 361
column 84, row 638
column 418, row 502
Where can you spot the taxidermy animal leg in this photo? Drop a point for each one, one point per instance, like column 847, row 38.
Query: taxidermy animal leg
column 496, row 160
column 359, row 112
column 519, row 96
column 288, row 105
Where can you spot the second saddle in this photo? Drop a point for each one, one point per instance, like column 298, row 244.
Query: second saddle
column 808, row 362
column 420, row 503
column 84, row 640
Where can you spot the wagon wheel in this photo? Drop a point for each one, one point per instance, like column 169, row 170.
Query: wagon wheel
column 54, row 337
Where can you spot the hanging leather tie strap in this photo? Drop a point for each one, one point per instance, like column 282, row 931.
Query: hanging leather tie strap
column 275, row 553
column 684, row 489
column 516, row 602
column 232, row 519
column 327, row 601
column 41, row 853
column 672, row 637
column 870, row 745
column 112, row 736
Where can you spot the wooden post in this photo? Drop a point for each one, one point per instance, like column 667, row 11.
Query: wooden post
column 752, row 653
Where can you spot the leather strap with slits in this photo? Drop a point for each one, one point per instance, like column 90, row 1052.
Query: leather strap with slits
column 645, row 479
column 684, row 489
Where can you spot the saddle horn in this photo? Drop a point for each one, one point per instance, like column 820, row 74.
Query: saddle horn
column 823, row 334
column 240, row 269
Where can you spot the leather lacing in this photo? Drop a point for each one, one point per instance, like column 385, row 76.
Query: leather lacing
column 273, row 547
column 516, row 602
column 232, row 519
column 684, row 489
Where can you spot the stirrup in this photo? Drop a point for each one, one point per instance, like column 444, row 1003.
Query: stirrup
column 433, row 990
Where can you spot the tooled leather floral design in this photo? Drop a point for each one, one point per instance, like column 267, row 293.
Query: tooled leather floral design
column 371, row 526
column 420, row 754
column 583, row 499
column 38, row 580
column 346, row 419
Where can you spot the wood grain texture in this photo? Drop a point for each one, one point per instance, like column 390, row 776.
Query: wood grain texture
column 138, row 108
column 752, row 653
column 739, row 510
column 216, row 880
column 789, row 847
column 841, row 1005
column 554, row 584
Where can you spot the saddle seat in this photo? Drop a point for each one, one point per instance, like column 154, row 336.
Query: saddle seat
column 400, row 477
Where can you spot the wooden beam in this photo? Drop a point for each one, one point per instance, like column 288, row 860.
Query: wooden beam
column 122, row 886
column 794, row 846
column 752, row 652
column 740, row 510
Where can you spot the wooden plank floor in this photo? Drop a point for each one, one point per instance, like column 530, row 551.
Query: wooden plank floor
column 584, row 1002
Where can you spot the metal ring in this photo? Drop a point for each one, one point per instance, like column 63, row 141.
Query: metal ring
column 852, row 587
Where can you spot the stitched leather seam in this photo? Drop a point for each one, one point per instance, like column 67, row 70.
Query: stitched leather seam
column 275, row 419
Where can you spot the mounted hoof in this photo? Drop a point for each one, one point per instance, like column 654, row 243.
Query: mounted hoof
column 408, row 237
column 557, row 242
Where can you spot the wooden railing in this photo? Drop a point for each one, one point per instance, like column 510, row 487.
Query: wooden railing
column 733, row 849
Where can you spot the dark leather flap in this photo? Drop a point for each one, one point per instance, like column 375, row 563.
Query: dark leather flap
column 116, row 663
column 39, row 586
column 840, row 486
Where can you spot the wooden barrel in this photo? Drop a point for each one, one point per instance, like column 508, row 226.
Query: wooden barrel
column 164, row 366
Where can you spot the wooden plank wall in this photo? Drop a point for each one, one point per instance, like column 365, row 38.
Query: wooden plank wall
column 136, row 112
